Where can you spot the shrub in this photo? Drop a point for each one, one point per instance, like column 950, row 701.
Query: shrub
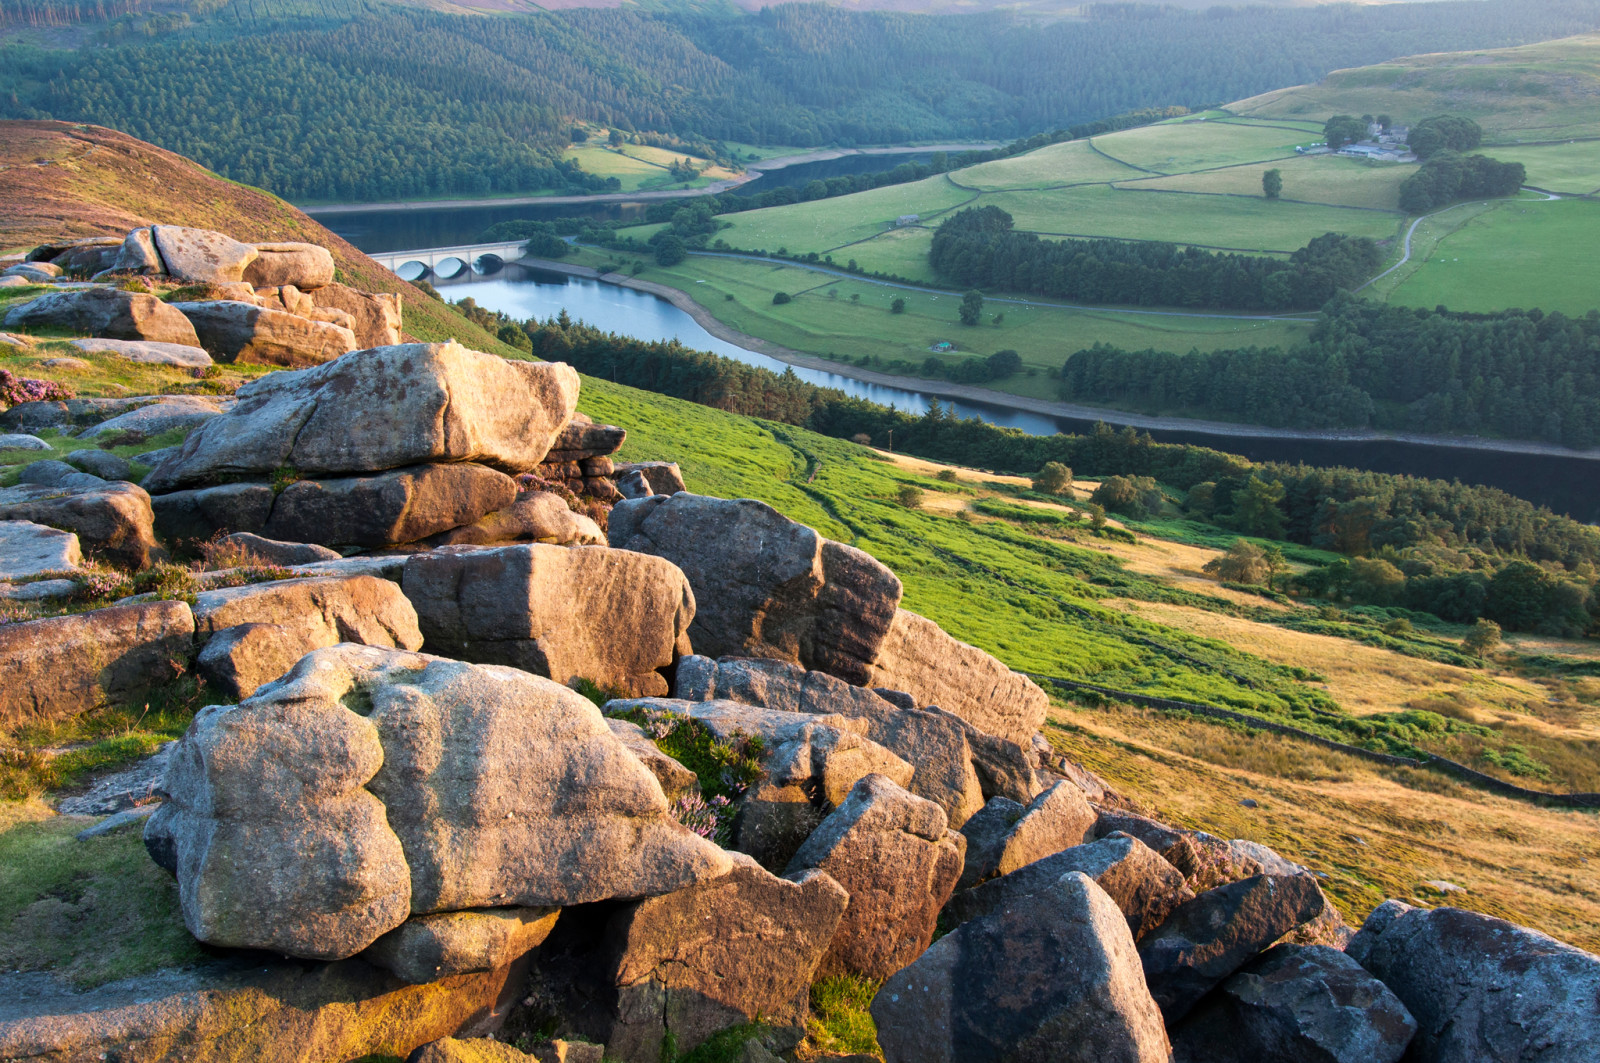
column 15, row 389
column 948, row 476
column 1483, row 639
column 779, row 298
column 1133, row 496
column 897, row 307
column 1244, row 562
column 909, row 496
column 1053, row 479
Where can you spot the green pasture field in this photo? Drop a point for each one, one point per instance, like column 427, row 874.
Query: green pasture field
column 825, row 224
column 1192, row 144
column 1236, row 222
column 898, row 253
column 1537, row 92
column 1331, row 180
column 824, row 319
column 1571, row 169
column 638, row 167
column 1069, row 163
column 1520, row 253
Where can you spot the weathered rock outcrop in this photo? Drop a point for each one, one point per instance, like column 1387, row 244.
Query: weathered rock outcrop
column 892, row 914
column 201, row 256
column 192, row 517
column 916, row 656
column 1297, row 1004
column 535, row 516
column 1205, row 940
column 1006, row 836
column 1483, row 990
column 28, row 549
column 163, row 415
column 302, row 265
column 147, row 351
column 274, row 552
column 426, row 948
column 299, row 824
column 641, row 479
column 382, row 409
column 233, row 331
column 610, row 616
column 112, row 520
column 1145, row 887
column 106, row 312
column 57, row 668
column 769, row 587
column 396, row 506
column 1050, row 978
column 375, row 315
column 675, row 779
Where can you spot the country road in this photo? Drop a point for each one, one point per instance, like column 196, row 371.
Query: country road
column 1406, row 256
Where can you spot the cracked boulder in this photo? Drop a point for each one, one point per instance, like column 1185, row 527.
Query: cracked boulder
column 397, row 506
column 426, row 948
column 235, row 332
column 1006, row 836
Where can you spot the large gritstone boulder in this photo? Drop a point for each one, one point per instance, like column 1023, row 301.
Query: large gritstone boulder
column 381, row 409
column 397, row 506
column 193, row 517
column 1207, row 939
column 612, row 617
column 741, row 948
column 1006, row 835
column 112, row 520
column 302, row 265
column 200, row 256
column 28, row 549
column 57, row 668
column 147, row 351
column 256, row 633
column 106, row 312
column 767, row 586
column 917, row 657
column 1051, row 978
column 375, row 316
column 893, row 854
column 137, row 255
column 247, row 334
column 1297, row 1004
column 1144, row 886
column 641, row 479
column 426, row 948
column 369, row 785
column 1483, row 990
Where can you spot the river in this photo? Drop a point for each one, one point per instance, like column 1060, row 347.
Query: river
column 1568, row 485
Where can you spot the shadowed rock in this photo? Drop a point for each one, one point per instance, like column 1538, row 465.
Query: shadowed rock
column 426, row 948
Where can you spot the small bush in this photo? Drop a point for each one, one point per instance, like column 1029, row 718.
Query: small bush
column 1053, row 479
column 949, row 476
column 909, row 496
column 779, row 298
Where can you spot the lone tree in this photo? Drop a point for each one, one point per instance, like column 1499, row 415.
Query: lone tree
column 897, row 307
column 1244, row 562
column 670, row 250
column 909, row 496
column 972, row 307
column 1272, row 183
column 1054, row 479
column 1483, row 638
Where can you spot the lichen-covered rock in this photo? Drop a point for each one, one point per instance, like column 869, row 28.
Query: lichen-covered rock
column 396, row 506
column 147, row 352
column 275, row 552
column 106, row 312
column 379, row 409
column 675, row 779
column 767, row 586
column 193, row 517
column 58, row 668
column 916, row 656
column 1205, row 940
column 612, row 617
column 641, row 479
column 1145, row 887
column 1051, row 978
column 893, row 854
column 232, row 331
column 137, row 254
column 1057, row 819
column 163, row 415
column 426, row 948
column 200, row 256
column 1297, row 1004
column 304, row 266
column 237, row 661
column 1483, row 990
column 29, row 549
column 376, row 314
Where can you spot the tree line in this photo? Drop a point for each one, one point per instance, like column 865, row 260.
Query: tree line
column 345, row 99
column 978, row 248
column 1448, row 176
column 1519, row 374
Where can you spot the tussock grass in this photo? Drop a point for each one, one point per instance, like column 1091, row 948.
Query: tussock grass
column 840, row 1022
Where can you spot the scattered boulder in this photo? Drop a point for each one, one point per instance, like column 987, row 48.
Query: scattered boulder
column 55, row 669
column 34, row 272
column 613, row 617
column 1050, row 978
column 641, row 479
column 163, row 415
column 1297, row 1004
column 426, row 948
column 916, row 656
column 274, row 552
column 893, row 854
column 148, row 352
column 536, row 516
column 382, row 409
column 352, row 822
column 397, row 506
column 247, row 334
column 137, row 255
column 304, row 266
column 108, row 313
column 200, row 256
column 193, row 517
column 101, row 463
column 1009, row 836
column 376, row 315
column 769, row 587
column 1205, row 940
column 1483, row 990
column 739, row 948
column 1146, row 888
column 28, row 549
column 22, row 441
column 675, row 779
column 111, row 520
column 239, row 660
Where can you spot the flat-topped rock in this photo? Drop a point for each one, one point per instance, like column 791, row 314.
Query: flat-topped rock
column 396, row 506
column 28, row 549
column 303, row 265
column 162, row 415
column 107, row 313
column 112, row 520
column 382, row 409
column 201, row 256
column 148, row 352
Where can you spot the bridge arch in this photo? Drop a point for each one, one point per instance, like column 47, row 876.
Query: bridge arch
column 451, row 268
column 487, row 264
column 412, row 271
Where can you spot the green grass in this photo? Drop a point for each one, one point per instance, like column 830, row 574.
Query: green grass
column 1074, row 162
column 1044, row 335
column 825, row 224
column 1330, row 180
column 840, row 1020
column 1189, row 144
column 1570, row 169
column 638, row 168
column 1520, row 253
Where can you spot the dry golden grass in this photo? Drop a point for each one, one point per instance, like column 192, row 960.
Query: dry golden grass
column 1180, row 565
column 1377, row 833
column 932, row 468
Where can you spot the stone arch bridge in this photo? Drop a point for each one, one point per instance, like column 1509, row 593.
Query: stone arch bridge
column 450, row 263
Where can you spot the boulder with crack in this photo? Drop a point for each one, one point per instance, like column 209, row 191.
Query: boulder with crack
column 239, row 332
column 111, row 520
column 1006, row 835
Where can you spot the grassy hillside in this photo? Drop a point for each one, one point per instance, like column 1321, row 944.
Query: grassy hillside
column 1017, row 576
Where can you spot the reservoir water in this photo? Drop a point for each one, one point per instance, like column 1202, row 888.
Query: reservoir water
column 1568, row 485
